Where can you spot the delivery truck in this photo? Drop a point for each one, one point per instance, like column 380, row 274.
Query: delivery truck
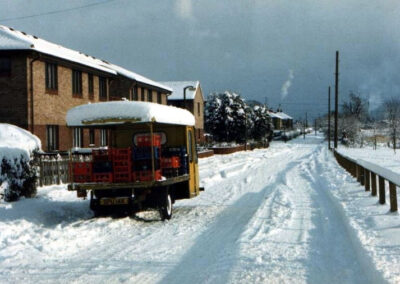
column 150, row 160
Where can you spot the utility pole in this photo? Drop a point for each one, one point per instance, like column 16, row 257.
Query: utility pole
column 315, row 126
column 336, row 99
column 329, row 117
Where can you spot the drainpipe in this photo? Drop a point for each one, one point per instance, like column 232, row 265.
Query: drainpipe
column 31, row 92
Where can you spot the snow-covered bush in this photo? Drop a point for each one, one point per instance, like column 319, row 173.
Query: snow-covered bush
column 227, row 117
column 17, row 172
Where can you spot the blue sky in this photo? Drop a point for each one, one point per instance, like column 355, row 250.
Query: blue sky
column 252, row 47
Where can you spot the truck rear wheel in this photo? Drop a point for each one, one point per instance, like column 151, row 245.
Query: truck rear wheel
column 165, row 206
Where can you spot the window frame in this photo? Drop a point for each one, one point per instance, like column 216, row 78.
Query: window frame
column 90, row 86
column 159, row 98
column 92, row 137
column 76, row 83
column 52, row 138
column 51, row 78
column 103, row 137
column 78, row 137
column 102, row 88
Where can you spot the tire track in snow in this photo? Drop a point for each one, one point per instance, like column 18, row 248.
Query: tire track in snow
column 214, row 254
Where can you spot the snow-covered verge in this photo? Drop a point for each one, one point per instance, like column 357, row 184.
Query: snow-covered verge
column 16, row 148
column 284, row 214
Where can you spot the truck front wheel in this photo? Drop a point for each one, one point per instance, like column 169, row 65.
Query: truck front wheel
column 165, row 206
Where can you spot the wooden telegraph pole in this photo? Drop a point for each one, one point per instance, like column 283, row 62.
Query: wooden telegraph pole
column 329, row 117
column 336, row 99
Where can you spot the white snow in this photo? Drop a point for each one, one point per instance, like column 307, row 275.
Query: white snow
column 11, row 39
column 15, row 141
column 287, row 214
column 93, row 114
column 177, row 89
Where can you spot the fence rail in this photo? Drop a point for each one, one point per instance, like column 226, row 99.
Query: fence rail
column 372, row 177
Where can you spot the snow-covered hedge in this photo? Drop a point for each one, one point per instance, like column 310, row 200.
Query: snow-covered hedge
column 17, row 174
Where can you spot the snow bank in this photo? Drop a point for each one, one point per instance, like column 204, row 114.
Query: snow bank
column 127, row 111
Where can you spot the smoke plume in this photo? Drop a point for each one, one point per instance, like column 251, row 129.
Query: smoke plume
column 287, row 84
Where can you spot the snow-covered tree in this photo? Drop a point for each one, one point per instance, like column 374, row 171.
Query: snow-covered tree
column 227, row 117
column 262, row 123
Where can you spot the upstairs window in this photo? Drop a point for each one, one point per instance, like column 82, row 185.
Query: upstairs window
column 102, row 89
column 103, row 137
column 91, row 137
column 198, row 109
column 159, row 98
column 51, row 77
column 90, row 86
column 150, row 95
column 135, row 96
column 76, row 83
column 5, row 66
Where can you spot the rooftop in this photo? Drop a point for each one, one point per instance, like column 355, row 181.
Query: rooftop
column 177, row 89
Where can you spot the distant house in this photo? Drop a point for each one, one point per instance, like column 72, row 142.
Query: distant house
column 194, row 102
column 281, row 120
column 41, row 80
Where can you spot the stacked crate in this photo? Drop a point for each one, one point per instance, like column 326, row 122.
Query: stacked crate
column 102, row 165
column 82, row 171
column 181, row 153
column 170, row 166
column 142, row 155
column 122, row 164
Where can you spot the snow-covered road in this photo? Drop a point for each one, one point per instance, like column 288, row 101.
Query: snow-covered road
column 267, row 216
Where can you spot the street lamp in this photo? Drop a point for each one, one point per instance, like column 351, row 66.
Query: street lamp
column 191, row 88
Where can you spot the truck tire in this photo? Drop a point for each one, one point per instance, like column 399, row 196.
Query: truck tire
column 165, row 206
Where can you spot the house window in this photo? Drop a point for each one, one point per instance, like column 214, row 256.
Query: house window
column 102, row 89
column 5, row 66
column 77, row 83
column 51, row 77
column 91, row 137
column 103, row 137
column 150, row 95
column 90, row 86
column 198, row 109
column 52, row 137
column 135, row 96
column 159, row 98
column 78, row 137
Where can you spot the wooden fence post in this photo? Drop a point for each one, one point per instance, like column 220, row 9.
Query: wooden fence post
column 382, row 197
column 362, row 176
column 393, row 197
column 58, row 171
column 366, row 180
column 373, row 183
column 41, row 170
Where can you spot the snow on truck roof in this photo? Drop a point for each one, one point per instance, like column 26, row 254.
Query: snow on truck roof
column 118, row 112
column 11, row 39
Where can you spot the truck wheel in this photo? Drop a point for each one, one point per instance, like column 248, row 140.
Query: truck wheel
column 165, row 206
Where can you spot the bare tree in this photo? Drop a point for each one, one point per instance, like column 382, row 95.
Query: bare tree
column 392, row 109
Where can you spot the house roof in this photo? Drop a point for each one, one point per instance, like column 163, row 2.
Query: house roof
column 280, row 115
column 11, row 39
column 119, row 112
column 177, row 89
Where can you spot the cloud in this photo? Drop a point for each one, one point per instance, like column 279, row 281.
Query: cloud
column 183, row 9
column 287, row 84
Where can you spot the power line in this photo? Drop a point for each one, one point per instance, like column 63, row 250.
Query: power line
column 57, row 11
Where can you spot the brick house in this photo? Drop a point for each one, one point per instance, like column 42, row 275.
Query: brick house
column 281, row 120
column 40, row 81
column 194, row 102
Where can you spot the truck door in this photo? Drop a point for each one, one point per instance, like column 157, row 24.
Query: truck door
column 193, row 164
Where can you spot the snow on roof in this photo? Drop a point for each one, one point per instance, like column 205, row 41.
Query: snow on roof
column 118, row 112
column 11, row 39
column 280, row 115
column 15, row 141
column 177, row 89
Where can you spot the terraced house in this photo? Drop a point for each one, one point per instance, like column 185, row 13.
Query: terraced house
column 40, row 81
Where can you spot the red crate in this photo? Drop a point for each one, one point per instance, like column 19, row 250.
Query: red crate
column 122, row 154
column 172, row 162
column 82, row 178
column 145, row 140
column 103, row 177
column 82, row 168
column 122, row 177
column 122, row 163
column 146, row 175
column 101, row 155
